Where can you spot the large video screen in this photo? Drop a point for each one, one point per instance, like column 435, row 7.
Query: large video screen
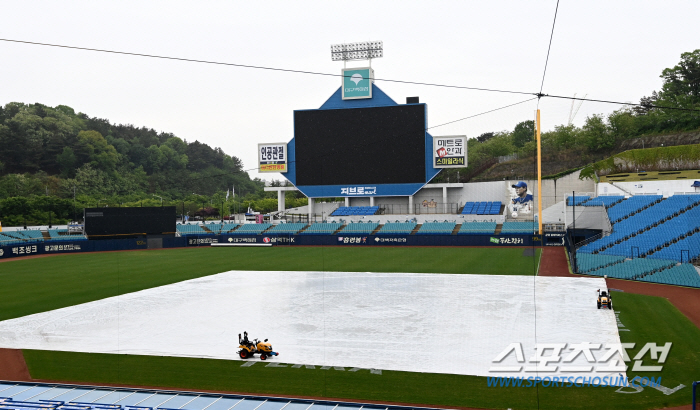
column 379, row 145
column 130, row 221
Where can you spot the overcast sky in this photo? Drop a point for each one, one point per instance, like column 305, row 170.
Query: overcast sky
column 611, row 50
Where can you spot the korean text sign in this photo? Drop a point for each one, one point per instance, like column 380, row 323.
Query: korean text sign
column 272, row 157
column 450, row 151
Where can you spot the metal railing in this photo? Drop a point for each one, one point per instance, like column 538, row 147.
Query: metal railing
column 422, row 208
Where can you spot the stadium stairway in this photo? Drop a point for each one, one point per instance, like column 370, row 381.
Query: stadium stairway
column 416, row 229
column 206, row 229
column 499, row 227
column 339, row 229
column 374, row 232
column 46, row 235
column 457, row 227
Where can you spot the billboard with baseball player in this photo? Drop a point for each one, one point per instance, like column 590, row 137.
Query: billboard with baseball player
column 521, row 200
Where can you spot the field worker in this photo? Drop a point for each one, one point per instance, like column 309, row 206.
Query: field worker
column 522, row 196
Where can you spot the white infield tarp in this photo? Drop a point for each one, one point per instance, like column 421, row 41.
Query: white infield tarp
column 437, row 323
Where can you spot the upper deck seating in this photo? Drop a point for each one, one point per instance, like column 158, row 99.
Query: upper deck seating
column 482, row 208
column 606, row 201
column 355, row 210
column 577, row 199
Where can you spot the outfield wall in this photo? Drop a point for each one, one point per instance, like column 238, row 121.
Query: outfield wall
column 381, row 240
column 62, row 247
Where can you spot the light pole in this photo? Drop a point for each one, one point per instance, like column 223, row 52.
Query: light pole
column 74, row 216
column 161, row 199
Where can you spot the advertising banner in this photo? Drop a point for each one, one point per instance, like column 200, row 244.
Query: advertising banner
column 272, row 157
column 450, row 151
column 357, row 83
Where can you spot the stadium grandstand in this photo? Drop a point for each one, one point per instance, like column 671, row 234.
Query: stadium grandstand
column 321, row 228
column 355, row 210
column 397, row 228
column 653, row 238
column 477, row 228
column 360, row 227
column 482, row 208
column 28, row 236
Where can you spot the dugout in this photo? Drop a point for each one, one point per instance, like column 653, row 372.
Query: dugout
column 149, row 224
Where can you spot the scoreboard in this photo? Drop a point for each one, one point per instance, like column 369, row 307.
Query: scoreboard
column 361, row 146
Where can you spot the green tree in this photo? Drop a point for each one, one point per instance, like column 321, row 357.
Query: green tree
column 623, row 123
column 94, row 149
column 682, row 82
column 66, row 162
column 523, row 133
column 596, row 134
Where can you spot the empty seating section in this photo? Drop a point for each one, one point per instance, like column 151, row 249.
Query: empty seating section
column 355, row 210
column 588, row 262
column 482, row 208
column 226, row 228
column 683, row 250
column 63, row 235
column 217, row 228
column 360, row 227
column 647, row 229
column 190, row 229
column 684, row 275
column 397, row 228
column 634, row 268
column 35, row 235
column 435, row 227
column 606, row 201
column 477, row 228
column 630, row 205
column 287, row 228
column 515, row 227
column 322, row 228
column 658, row 236
column 13, row 238
column 212, row 227
column 576, row 199
column 250, row 229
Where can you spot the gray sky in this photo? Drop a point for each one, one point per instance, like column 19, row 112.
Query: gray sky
column 611, row 50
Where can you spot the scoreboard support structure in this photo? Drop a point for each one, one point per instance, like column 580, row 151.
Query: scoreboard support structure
column 280, row 194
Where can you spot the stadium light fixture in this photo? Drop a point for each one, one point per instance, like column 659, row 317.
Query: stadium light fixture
column 364, row 50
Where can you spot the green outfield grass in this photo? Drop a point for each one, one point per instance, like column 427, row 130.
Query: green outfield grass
column 41, row 284
column 648, row 319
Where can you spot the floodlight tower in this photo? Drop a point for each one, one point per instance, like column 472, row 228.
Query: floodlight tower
column 365, row 50
column 357, row 82
column 573, row 111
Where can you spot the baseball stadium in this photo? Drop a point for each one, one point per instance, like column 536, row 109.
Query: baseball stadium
column 390, row 286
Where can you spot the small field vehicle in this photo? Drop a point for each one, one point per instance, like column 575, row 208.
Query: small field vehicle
column 249, row 349
column 604, row 300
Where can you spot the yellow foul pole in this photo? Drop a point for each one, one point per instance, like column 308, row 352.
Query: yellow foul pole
column 539, row 174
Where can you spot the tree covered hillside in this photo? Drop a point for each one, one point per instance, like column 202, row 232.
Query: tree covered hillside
column 57, row 149
column 568, row 147
column 50, row 156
